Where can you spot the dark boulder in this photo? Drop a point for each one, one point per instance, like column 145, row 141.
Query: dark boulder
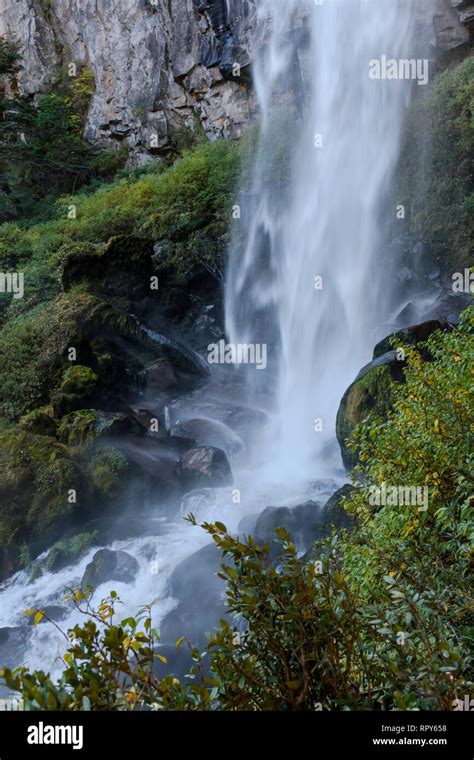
column 207, row 432
column 409, row 336
column 301, row 522
column 204, row 467
column 194, row 583
column 369, row 396
column 108, row 565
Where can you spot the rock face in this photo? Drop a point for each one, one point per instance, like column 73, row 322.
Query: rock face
column 157, row 64
column 164, row 65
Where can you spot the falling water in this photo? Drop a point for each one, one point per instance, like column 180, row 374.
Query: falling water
column 334, row 133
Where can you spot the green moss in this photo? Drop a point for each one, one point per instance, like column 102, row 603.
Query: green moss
column 368, row 398
column 79, row 380
column 437, row 165
column 38, row 479
column 69, row 550
column 108, row 470
column 40, row 421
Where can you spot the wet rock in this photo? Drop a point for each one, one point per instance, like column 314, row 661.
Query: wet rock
column 204, row 467
column 301, row 522
column 410, row 336
column 333, row 517
column 14, row 645
column 70, row 550
column 159, row 376
column 108, row 565
column 369, row 396
column 10, row 561
column 210, row 433
column 194, row 583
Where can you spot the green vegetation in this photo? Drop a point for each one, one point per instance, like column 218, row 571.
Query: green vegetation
column 436, row 171
column 380, row 618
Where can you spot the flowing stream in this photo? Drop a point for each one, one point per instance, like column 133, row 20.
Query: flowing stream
column 307, row 278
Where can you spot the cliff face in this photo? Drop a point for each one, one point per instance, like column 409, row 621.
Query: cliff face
column 156, row 63
column 161, row 64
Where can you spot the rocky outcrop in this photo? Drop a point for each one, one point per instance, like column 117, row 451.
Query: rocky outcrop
column 158, row 66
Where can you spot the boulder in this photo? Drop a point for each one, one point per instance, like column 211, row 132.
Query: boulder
column 409, row 336
column 108, row 565
column 369, row 396
column 301, row 522
column 204, row 467
column 207, row 432
column 333, row 517
column 159, row 376
column 14, row 645
column 194, row 583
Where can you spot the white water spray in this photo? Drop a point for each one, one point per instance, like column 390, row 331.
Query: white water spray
column 310, row 277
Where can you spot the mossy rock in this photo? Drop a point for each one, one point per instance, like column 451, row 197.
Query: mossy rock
column 42, row 489
column 40, row 422
column 109, row 471
column 77, row 390
column 69, row 550
column 369, row 397
column 122, row 267
column 85, row 426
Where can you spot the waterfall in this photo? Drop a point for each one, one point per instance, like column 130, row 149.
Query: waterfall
column 307, row 277
column 307, row 272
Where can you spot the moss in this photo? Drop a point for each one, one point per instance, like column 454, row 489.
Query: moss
column 108, row 470
column 85, row 426
column 79, row 380
column 436, row 166
column 40, row 421
column 367, row 398
column 69, row 550
column 38, row 480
